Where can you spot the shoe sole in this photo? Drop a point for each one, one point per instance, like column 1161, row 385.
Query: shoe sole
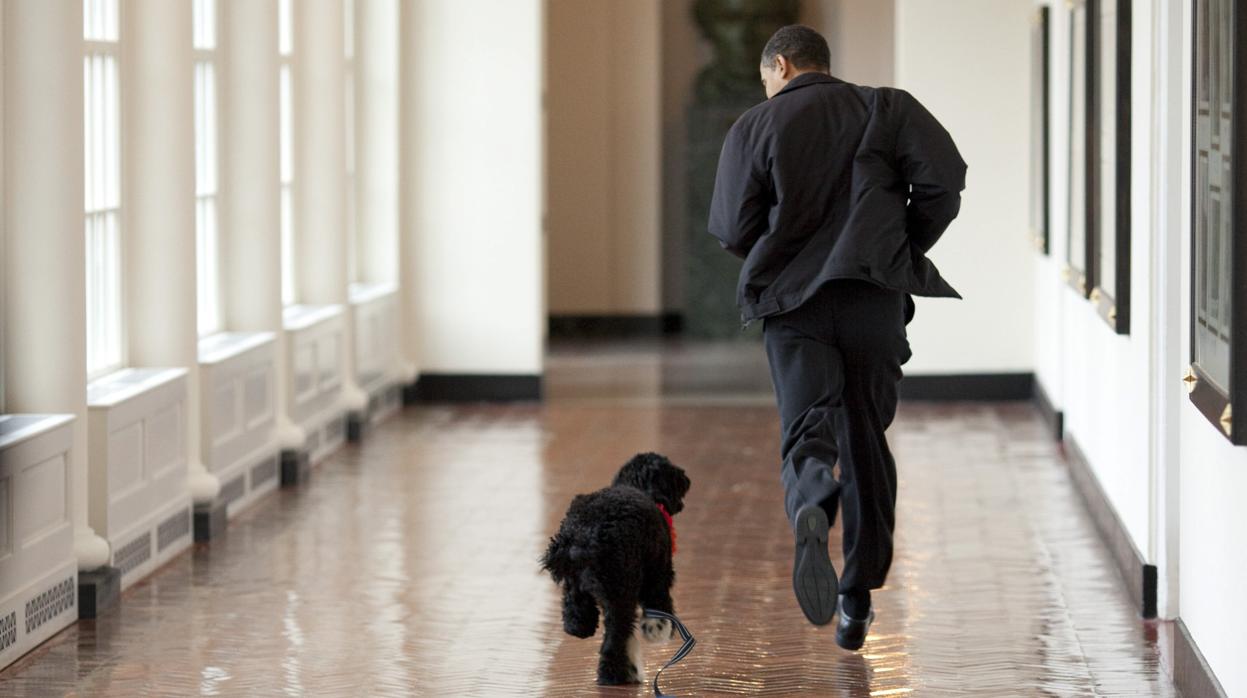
column 813, row 576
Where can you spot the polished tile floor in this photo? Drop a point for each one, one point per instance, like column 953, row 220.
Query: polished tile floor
column 407, row 566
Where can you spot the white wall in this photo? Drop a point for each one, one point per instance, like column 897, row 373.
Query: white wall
column 475, row 185
column 967, row 61
column 1098, row 378
column 861, row 35
column 1213, row 479
column 604, row 155
column 1214, row 562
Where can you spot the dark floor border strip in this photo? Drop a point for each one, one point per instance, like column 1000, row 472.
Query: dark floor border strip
column 969, row 387
column 477, row 387
column 1191, row 673
column 1054, row 417
column 615, row 326
column 1139, row 576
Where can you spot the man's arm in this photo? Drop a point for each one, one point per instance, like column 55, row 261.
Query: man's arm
column 739, row 208
column 930, row 164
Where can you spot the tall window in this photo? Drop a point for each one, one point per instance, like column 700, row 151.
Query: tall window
column 1076, row 243
column 348, row 26
column 102, row 200
column 285, row 47
column 1213, row 203
column 207, row 231
column 1217, row 377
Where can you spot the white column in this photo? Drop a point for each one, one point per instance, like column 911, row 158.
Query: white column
column 160, row 206
column 320, row 162
column 474, row 184
column 45, row 274
column 250, row 194
column 408, row 183
column 408, row 187
column 376, row 128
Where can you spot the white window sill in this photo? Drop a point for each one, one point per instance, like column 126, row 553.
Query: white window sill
column 362, row 293
column 223, row 346
column 17, row 428
column 119, row 386
column 301, row 317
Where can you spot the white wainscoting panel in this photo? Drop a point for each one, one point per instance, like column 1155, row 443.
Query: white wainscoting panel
column 314, row 339
column 375, row 309
column 238, row 384
column 38, row 571
column 136, row 443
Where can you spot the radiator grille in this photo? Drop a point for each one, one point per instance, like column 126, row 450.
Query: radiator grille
column 264, row 471
column 133, row 554
column 234, row 489
column 8, row 631
column 173, row 528
column 50, row 604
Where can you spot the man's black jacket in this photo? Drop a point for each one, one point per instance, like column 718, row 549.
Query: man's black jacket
column 830, row 180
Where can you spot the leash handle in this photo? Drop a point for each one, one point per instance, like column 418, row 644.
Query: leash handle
column 689, row 643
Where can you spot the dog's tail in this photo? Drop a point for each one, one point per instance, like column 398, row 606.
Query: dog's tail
column 562, row 557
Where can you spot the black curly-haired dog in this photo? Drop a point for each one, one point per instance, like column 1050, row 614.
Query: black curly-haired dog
column 613, row 551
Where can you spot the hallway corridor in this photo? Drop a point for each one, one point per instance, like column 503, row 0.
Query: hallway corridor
column 407, row 566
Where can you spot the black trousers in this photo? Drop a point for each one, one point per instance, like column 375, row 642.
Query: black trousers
column 835, row 362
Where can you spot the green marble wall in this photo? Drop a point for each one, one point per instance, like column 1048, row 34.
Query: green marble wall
column 737, row 30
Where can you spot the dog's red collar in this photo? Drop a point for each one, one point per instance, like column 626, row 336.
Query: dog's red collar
column 670, row 525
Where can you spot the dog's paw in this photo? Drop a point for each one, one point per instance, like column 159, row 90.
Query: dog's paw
column 657, row 629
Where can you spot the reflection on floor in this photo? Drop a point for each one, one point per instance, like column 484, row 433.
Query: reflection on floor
column 408, row 566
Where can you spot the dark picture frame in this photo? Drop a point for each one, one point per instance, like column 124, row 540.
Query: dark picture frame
column 1217, row 377
column 1109, row 54
column 1041, row 158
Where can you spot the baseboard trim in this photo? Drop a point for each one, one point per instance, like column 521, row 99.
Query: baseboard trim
column 976, row 387
column 1191, row 673
column 1139, row 576
column 615, row 326
column 477, row 387
column 1054, row 417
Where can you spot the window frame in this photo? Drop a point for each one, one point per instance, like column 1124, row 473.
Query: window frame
column 1219, row 405
column 1112, row 305
column 114, row 139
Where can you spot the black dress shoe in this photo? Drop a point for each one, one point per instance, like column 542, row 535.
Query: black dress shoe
column 850, row 632
column 813, row 577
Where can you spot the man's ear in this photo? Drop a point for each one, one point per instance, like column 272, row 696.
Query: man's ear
column 784, row 67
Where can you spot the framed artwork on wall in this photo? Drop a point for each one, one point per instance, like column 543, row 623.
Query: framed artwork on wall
column 1040, row 202
column 1217, row 377
column 1076, row 256
column 1108, row 171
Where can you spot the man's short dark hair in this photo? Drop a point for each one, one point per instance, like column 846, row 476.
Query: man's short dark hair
column 804, row 48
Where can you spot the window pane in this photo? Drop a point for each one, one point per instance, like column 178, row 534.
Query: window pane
column 287, row 247
column 1213, row 199
column 102, row 187
column 285, row 29
column 208, row 266
column 1076, row 254
column 1038, row 138
column 287, row 127
column 204, row 21
column 1106, row 277
column 99, row 20
column 348, row 28
column 207, row 233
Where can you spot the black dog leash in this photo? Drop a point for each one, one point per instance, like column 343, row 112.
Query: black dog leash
column 685, row 649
